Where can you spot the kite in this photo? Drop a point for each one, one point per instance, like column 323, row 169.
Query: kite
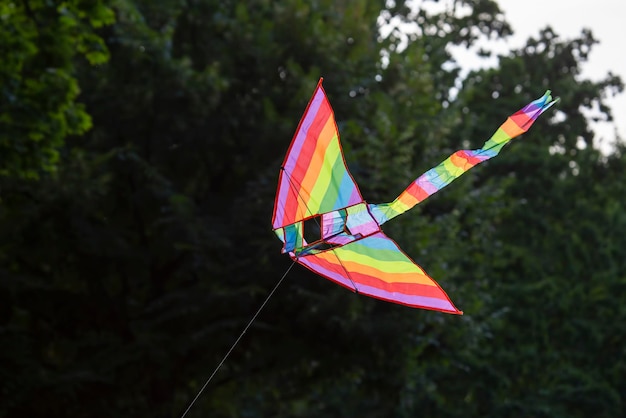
column 327, row 226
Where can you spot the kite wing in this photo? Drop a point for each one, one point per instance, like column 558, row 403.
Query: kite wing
column 375, row 266
column 461, row 161
column 314, row 178
column 350, row 248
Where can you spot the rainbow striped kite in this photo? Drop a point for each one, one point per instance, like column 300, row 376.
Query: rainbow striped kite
column 326, row 225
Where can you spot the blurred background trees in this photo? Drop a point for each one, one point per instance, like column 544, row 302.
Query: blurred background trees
column 141, row 142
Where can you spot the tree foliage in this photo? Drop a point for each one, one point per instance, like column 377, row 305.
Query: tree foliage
column 41, row 42
column 133, row 263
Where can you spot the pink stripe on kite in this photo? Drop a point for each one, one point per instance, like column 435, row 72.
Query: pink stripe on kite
column 303, row 129
column 425, row 184
column 415, row 301
column 471, row 158
column 331, row 271
column 523, row 120
column 299, row 158
column 416, row 191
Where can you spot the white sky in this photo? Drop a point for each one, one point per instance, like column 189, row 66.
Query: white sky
column 606, row 20
column 567, row 18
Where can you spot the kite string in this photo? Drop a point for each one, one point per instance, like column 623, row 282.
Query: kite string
column 297, row 191
column 237, row 340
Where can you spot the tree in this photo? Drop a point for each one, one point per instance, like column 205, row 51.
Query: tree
column 546, row 223
column 129, row 272
column 40, row 43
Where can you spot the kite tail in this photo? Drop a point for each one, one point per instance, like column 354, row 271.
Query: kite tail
column 461, row 161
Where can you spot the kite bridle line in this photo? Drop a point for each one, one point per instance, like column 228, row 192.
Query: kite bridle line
column 237, row 341
column 296, row 190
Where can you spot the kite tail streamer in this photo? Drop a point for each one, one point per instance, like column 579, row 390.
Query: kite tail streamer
column 461, row 161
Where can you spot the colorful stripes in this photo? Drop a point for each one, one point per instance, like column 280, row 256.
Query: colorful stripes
column 314, row 177
column 461, row 161
column 360, row 222
column 375, row 266
column 353, row 251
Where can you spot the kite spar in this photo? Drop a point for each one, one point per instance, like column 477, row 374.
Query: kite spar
column 352, row 250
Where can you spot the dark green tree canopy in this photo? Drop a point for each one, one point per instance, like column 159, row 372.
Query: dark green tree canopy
column 140, row 147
